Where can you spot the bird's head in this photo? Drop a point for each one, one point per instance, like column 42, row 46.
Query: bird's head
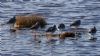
column 54, row 26
column 12, row 20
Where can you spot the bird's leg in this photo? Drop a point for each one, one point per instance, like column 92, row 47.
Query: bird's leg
column 59, row 31
column 49, row 36
column 36, row 38
column 37, row 23
column 76, row 32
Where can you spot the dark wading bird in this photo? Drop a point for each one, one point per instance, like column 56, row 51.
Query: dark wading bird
column 61, row 26
column 12, row 20
column 51, row 29
column 76, row 23
column 93, row 32
column 49, row 34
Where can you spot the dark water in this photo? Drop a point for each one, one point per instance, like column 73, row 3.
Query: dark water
column 21, row 43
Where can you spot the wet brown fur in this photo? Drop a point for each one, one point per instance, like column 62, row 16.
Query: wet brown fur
column 67, row 34
column 28, row 21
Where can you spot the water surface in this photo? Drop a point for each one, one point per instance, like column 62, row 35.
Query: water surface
column 21, row 43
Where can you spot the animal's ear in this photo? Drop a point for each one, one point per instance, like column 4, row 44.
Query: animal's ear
column 12, row 20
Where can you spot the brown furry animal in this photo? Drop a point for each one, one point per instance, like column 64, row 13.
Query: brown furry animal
column 67, row 34
column 29, row 21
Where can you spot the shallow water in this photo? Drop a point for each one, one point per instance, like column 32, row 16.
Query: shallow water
column 21, row 43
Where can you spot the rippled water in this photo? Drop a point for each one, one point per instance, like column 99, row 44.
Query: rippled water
column 21, row 43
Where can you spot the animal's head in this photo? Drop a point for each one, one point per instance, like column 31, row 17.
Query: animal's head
column 12, row 20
